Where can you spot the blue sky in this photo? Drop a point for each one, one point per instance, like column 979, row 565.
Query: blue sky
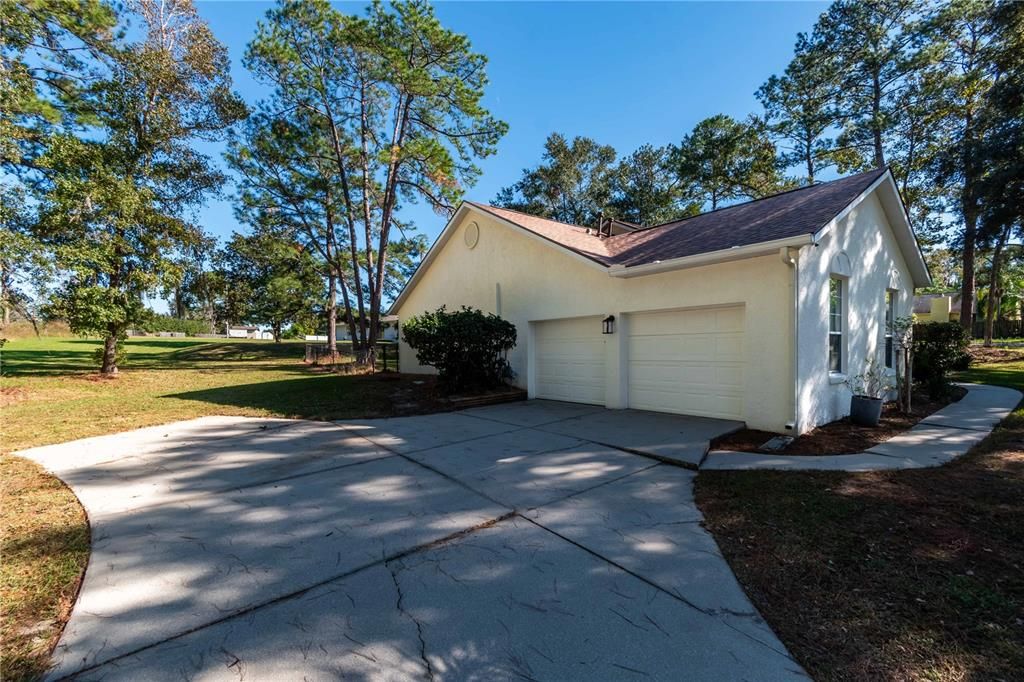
column 623, row 73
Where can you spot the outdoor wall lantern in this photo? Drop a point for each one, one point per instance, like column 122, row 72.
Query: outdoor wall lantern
column 608, row 325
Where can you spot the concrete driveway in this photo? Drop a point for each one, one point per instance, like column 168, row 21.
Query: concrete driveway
column 521, row 541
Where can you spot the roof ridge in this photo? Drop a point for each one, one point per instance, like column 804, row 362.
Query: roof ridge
column 490, row 208
column 751, row 201
column 486, row 207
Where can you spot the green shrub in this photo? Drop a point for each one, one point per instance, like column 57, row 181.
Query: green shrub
column 468, row 348
column 939, row 348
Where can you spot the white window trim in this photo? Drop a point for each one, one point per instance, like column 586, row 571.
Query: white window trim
column 838, row 377
column 889, row 319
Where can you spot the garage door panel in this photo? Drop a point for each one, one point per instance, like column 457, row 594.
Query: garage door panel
column 723, row 380
column 688, row 362
column 570, row 360
column 729, row 348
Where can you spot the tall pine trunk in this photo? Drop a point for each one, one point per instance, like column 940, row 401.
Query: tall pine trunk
column 992, row 305
column 876, row 120
column 967, row 285
column 332, row 313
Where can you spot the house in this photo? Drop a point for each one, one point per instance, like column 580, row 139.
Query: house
column 239, row 331
column 757, row 312
column 388, row 329
column 937, row 308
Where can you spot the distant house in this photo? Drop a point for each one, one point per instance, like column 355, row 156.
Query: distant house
column 241, row 331
column 388, row 330
column 937, row 307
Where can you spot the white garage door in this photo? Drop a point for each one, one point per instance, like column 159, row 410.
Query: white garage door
column 570, row 360
column 688, row 362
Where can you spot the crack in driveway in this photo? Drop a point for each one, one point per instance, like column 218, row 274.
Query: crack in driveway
column 452, row 531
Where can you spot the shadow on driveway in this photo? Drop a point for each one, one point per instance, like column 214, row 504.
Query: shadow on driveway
column 448, row 546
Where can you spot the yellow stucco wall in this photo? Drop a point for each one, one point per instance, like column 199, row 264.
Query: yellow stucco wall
column 510, row 273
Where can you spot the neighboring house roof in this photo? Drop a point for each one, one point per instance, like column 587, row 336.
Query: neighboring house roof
column 794, row 218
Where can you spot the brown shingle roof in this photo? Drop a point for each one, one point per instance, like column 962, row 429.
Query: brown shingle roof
column 780, row 216
column 573, row 237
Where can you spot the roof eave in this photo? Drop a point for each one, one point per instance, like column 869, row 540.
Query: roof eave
column 896, row 212
column 425, row 262
column 711, row 258
column 449, row 228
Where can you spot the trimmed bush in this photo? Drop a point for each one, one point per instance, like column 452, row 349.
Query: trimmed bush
column 939, row 348
column 469, row 348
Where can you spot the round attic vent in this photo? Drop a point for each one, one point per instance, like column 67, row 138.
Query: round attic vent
column 471, row 235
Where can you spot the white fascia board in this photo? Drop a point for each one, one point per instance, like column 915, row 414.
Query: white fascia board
column 446, row 234
column 435, row 248
column 896, row 212
column 544, row 240
column 710, row 258
column 850, row 206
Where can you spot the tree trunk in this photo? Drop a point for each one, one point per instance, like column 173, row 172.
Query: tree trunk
column 993, row 287
column 109, row 366
column 332, row 313
column 908, row 377
column 809, row 150
column 350, row 319
column 967, row 286
column 4, row 296
column 876, row 120
column 275, row 329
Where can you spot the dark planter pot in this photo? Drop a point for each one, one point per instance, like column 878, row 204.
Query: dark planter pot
column 865, row 411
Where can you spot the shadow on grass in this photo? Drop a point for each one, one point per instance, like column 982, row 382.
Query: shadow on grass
column 157, row 342
column 324, row 397
column 169, row 355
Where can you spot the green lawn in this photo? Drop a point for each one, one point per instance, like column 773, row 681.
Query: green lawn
column 893, row 575
column 50, row 391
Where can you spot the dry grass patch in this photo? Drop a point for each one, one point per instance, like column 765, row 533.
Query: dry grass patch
column 45, row 547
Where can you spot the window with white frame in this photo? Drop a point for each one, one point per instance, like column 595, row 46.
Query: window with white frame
column 836, row 325
column 890, row 320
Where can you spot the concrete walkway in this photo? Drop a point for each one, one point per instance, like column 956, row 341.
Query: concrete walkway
column 935, row 440
column 496, row 543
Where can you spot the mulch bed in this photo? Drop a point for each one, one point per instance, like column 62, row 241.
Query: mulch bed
column 840, row 437
column 412, row 394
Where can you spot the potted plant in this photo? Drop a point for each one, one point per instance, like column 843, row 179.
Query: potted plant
column 868, row 390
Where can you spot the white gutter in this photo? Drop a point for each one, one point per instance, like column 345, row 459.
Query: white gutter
column 720, row 256
column 793, row 261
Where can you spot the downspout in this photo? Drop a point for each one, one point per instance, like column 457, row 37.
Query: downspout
column 790, row 256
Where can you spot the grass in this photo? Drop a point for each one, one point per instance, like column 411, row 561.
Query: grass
column 900, row 575
column 50, row 392
column 45, row 547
